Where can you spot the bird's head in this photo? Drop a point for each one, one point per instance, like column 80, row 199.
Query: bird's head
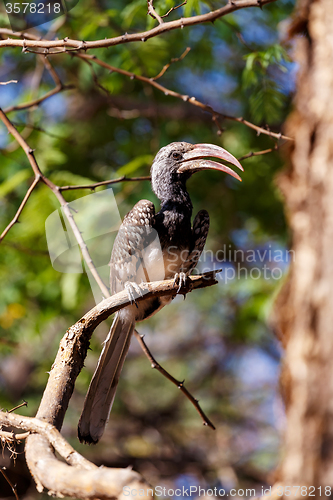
column 175, row 163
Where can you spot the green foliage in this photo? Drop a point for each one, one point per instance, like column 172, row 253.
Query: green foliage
column 266, row 100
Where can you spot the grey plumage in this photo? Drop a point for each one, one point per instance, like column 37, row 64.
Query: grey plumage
column 150, row 246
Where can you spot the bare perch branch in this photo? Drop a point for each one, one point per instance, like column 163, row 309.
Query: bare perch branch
column 74, row 345
column 79, row 482
column 66, row 43
column 177, row 383
column 76, row 482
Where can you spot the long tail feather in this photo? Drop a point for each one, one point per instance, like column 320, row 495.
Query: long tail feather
column 103, row 385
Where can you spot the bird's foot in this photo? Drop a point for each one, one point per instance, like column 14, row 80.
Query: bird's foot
column 133, row 291
column 180, row 278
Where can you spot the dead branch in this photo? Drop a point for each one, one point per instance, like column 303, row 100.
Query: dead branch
column 178, row 383
column 78, row 482
column 11, row 437
column 165, row 27
column 45, row 429
column 74, row 345
column 84, row 480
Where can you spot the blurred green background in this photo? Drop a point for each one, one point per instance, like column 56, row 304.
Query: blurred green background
column 218, row 340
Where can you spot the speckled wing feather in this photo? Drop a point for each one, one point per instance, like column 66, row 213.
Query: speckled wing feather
column 127, row 265
column 135, row 234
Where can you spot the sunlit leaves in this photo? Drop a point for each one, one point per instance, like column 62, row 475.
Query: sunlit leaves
column 266, row 98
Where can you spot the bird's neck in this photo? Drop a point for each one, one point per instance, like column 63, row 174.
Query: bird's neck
column 176, row 199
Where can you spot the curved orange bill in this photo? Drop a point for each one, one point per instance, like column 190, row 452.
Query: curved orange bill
column 196, row 160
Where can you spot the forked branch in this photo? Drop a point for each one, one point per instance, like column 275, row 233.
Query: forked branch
column 84, row 480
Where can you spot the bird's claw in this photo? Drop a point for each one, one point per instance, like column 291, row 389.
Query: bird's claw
column 181, row 279
column 133, row 291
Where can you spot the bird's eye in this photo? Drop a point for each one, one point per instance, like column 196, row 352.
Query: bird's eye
column 176, row 156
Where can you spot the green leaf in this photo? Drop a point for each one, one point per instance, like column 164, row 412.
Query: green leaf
column 13, row 182
column 131, row 167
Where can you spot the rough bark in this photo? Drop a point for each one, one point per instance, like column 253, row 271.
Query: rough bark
column 305, row 305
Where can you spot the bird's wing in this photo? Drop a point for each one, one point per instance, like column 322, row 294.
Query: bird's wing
column 134, row 236
column 199, row 235
column 126, row 265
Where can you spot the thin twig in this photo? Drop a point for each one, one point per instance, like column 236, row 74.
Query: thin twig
column 177, row 383
column 40, row 129
column 13, row 486
column 18, row 406
column 29, row 251
column 238, row 34
column 175, row 59
column 21, row 207
column 105, row 183
column 174, row 8
column 30, row 41
column 12, row 437
column 9, row 81
column 259, row 153
column 55, row 189
column 96, row 80
column 185, row 98
column 51, row 71
column 38, row 100
column 152, row 12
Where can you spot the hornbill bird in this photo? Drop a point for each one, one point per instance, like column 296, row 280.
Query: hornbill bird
column 180, row 247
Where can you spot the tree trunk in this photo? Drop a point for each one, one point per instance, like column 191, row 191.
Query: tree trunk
column 305, row 305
